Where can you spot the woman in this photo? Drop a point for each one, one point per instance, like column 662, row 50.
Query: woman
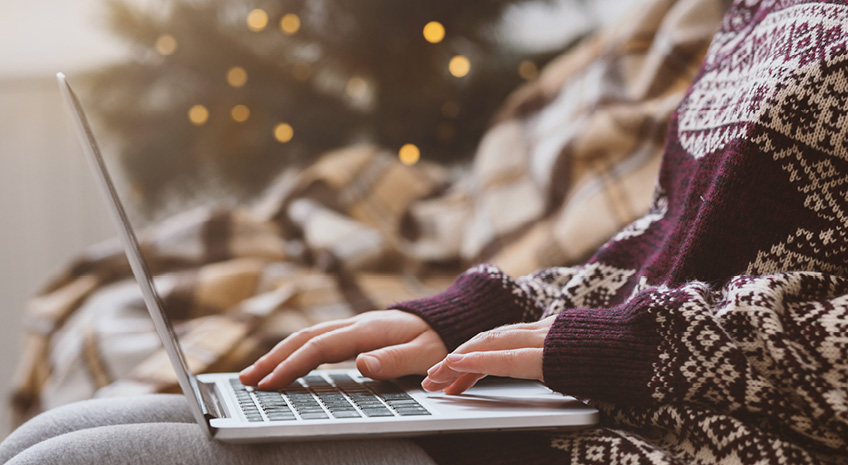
column 712, row 330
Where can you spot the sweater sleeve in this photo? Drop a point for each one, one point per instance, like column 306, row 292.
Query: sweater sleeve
column 484, row 297
column 772, row 348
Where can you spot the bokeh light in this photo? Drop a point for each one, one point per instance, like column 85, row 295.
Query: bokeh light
column 528, row 70
column 283, row 132
column 198, row 115
column 459, row 66
column 434, row 32
column 237, row 76
column 409, row 154
column 356, row 87
column 290, row 24
column 166, row 45
column 240, row 113
column 257, row 20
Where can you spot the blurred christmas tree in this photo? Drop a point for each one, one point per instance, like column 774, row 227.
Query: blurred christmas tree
column 236, row 90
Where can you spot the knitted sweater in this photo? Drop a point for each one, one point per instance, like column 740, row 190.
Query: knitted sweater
column 715, row 328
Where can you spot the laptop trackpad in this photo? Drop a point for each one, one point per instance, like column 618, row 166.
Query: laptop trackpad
column 505, row 393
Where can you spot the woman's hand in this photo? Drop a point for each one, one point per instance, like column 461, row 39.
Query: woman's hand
column 389, row 343
column 513, row 350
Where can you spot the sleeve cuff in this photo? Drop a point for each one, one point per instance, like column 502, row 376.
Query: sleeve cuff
column 479, row 300
column 603, row 354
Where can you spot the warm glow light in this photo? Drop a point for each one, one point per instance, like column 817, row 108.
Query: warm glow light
column 236, row 76
column 166, row 44
column 356, row 87
column 434, row 32
column 240, row 113
column 290, row 24
column 301, row 70
column 409, row 154
column 283, row 132
column 257, row 20
column 528, row 70
column 459, row 66
column 198, row 115
column 450, row 109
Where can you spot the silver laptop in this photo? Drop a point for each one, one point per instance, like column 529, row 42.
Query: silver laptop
column 328, row 404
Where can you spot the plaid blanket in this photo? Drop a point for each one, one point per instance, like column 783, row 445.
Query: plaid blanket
column 569, row 160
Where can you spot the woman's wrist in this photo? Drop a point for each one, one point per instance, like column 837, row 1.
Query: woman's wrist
column 478, row 300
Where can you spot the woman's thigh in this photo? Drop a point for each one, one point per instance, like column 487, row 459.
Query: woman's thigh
column 160, row 408
column 160, row 429
column 185, row 443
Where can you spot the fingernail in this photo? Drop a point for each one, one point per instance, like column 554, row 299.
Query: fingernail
column 246, row 371
column 427, row 384
column 265, row 380
column 372, row 362
column 454, row 358
column 434, row 368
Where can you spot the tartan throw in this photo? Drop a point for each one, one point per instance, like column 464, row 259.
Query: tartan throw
column 571, row 158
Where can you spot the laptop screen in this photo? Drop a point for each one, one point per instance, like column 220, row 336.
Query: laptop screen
column 131, row 246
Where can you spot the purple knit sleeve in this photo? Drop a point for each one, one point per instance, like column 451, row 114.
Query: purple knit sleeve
column 480, row 299
column 602, row 353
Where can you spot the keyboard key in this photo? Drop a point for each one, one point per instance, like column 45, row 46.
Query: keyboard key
column 395, row 396
column 308, row 408
column 409, row 413
column 346, row 414
column 314, row 416
column 409, row 401
column 315, row 381
column 377, row 412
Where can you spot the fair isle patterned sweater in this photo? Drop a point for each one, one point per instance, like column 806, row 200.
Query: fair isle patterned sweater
column 715, row 328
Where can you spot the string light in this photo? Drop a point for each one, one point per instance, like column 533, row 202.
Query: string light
column 257, row 20
column 528, row 70
column 240, row 113
column 290, row 24
column 459, row 66
column 301, row 71
column 434, row 32
column 166, row 45
column 237, row 76
column 450, row 109
column 409, row 154
column 356, row 87
column 198, row 115
column 283, row 132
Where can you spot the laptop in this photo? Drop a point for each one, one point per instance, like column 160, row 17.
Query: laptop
column 328, row 404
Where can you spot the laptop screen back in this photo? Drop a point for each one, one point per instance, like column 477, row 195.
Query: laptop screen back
column 132, row 249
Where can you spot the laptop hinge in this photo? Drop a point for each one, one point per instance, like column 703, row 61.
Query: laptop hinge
column 205, row 392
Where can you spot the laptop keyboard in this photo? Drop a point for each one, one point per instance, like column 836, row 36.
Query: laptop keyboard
column 315, row 397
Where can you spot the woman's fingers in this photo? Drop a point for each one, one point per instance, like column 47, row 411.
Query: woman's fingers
column 413, row 357
column 515, row 363
column 513, row 351
column 334, row 346
column 370, row 331
column 524, row 363
column 464, row 382
column 504, row 338
column 341, row 340
column 264, row 365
